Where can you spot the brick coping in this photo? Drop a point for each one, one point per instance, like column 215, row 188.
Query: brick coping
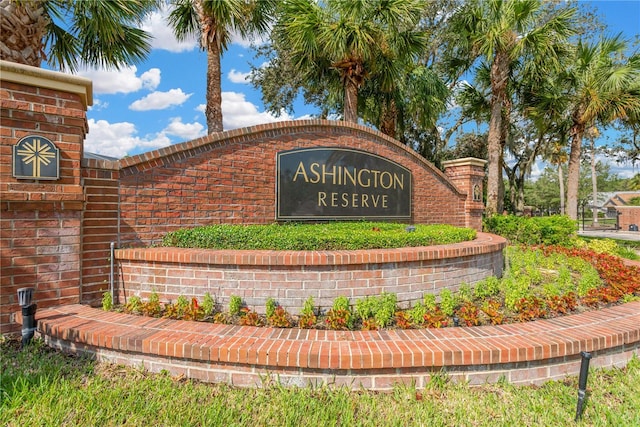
column 300, row 349
column 483, row 243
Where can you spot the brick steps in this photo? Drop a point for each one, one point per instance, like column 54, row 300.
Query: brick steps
column 523, row 353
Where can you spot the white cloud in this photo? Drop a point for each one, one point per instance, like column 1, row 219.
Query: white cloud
column 237, row 112
column 151, row 79
column 163, row 37
column 98, row 105
column 238, row 77
column 120, row 139
column 160, row 100
column 186, row 131
column 124, row 80
column 247, row 42
column 202, row 108
column 162, row 33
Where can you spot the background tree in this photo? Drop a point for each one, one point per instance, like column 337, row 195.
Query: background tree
column 70, row 34
column 601, row 88
column 502, row 33
column 349, row 42
column 592, row 134
column 213, row 22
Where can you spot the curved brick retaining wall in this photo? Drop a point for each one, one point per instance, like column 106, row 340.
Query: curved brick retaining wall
column 526, row 353
column 291, row 277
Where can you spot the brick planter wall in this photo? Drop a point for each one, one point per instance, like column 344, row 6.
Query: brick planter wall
column 291, row 277
column 245, row 356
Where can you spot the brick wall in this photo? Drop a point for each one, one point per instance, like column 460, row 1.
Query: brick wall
column 290, row 277
column 231, row 178
column 629, row 215
column 468, row 176
column 99, row 226
column 40, row 221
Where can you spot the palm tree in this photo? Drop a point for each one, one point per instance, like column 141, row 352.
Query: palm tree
column 502, row 33
column 214, row 22
column 603, row 88
column 592, row 134
column 94, row 33
column 351, row 41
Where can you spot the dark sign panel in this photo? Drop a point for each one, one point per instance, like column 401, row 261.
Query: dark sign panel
column 36, row 157
column 340, row 183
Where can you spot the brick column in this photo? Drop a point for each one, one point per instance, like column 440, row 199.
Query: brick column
column 468, row 175
column 40, row 237
column 629, row 215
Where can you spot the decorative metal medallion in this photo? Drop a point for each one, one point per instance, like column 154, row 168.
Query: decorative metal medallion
column 36, row 157
column 340, row 183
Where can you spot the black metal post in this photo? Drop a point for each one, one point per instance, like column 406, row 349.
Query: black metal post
column 28, row 314
column 582, row 382
column 28, row 323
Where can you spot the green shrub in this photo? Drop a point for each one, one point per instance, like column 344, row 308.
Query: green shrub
column 549, row 230
column 487, row 287
column 271, row 306
column 309, row 307
column 515, row 288
column 448, row 302
column 341, row 303
column 381, row 308
column 416, row 314
column 329, row 236
column 182, row 305
column 208, row 304
column 307, row 317
column 429, row 301
column 340, row 317
column 134, row 305
column 235, row 304
column 465, row 293
column 603, row 246
column 107, row 301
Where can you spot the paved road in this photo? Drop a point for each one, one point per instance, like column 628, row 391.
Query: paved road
column 612, row 234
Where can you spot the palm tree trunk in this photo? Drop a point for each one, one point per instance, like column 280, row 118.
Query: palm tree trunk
column 389, row 118
column 23, row 26
column 350, row 101
column 573, row 176
column 561, row 184
column 594, row 182
column 213, row 111
column 499, row 73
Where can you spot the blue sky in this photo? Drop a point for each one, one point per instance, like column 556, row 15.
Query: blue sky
column 161, row 101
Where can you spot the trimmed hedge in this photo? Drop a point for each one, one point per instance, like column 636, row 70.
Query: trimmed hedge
column 313, row 237
column 545, row 230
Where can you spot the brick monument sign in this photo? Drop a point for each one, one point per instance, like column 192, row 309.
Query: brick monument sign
column 60, row 212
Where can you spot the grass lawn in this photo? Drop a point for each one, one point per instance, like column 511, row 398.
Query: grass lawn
column 43, row 387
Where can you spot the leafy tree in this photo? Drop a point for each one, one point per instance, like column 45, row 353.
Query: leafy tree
column 634, row 182
column 503, row 33
column 348, row 42
column 603, row 87
column 94, row 32
column 213, row 22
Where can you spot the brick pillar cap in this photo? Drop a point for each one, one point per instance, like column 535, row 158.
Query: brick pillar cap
column 467, row 161
column 38, row 77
